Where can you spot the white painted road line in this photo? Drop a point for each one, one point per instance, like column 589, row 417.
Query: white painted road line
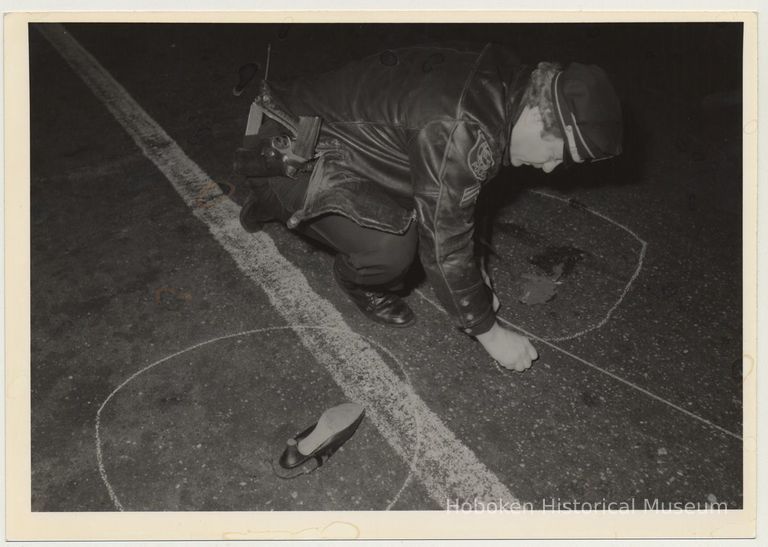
column 445, row 466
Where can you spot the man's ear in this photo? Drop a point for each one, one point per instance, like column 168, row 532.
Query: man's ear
column 534, row 114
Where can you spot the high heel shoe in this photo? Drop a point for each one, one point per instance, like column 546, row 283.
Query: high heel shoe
column 334, row 428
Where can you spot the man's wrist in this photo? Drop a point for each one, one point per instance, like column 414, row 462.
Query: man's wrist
column 485, row 337
column 485, row 325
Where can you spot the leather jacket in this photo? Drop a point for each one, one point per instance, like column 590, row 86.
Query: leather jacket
column 412, row 135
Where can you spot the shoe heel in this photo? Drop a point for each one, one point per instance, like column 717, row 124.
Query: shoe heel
column 291, row 457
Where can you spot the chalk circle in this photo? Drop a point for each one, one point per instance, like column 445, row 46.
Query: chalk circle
column 138, row 444
column 540, row 237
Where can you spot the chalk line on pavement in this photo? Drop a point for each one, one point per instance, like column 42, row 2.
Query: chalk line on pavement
column 548, row 340
column 616, row 377
column 99, row 455
column 640, row 259
column 446, row 468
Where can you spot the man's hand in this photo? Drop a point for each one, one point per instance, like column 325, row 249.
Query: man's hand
column 510, row 349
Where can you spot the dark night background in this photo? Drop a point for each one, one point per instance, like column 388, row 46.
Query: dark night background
column 109, row 235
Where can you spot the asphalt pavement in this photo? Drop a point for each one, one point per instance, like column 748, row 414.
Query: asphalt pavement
column 141, row 315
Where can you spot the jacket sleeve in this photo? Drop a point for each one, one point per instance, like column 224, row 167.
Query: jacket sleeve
column 449, row 161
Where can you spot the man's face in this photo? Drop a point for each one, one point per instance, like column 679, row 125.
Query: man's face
column 528, row 147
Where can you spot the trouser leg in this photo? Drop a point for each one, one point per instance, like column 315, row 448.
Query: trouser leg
column 370, row 264
column 366, row 257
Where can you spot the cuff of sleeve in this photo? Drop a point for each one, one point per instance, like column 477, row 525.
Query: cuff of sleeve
column 483, row 326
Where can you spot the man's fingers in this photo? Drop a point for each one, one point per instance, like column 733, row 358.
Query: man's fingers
column 518, row 366
column 517, row 353
column 522, row 364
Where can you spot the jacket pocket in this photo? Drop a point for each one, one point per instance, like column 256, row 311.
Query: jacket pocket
column 331, row 190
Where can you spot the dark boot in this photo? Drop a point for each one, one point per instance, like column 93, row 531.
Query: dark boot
column 380, row 306
column 261, row 205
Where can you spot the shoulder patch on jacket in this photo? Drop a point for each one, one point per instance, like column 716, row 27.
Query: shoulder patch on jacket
column 480, row 157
